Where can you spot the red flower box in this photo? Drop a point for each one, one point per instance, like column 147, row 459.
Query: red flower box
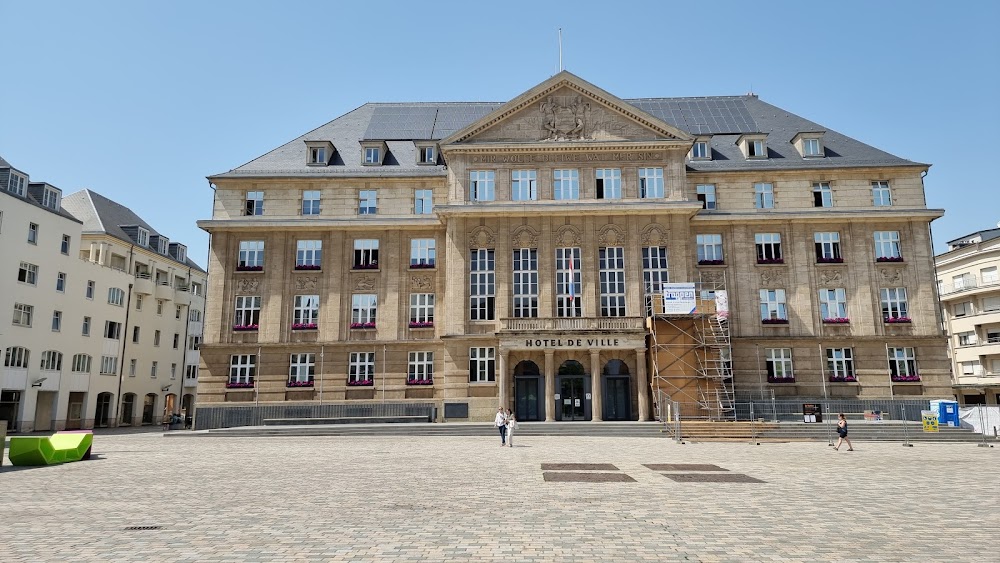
column 291, row 383
column 837, row 321
column 897, row 320
column 239, row 384
column 770, row 260
column 249, row 268
column 711, row 262
column 304, row 326
column 905, row 378
column 422, row 324
column 889, row 259
column 845, row 379
column 420, row 382
column 358, row 326
column 361, row 383
column 245, row 328
column 772, row 379
column 421, row 265
column 301, row 267
column 774, row 321
column 829, row 260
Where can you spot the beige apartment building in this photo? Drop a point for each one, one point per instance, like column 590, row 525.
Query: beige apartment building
column 512, row 253
column 105, row 312
column 969, row 284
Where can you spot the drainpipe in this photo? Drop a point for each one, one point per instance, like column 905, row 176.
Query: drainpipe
column 184, row 345
column 121, row 364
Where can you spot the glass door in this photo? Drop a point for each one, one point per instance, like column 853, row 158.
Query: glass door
column 573, row 398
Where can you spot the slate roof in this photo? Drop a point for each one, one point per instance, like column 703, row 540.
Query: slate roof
column 102, row 215
column 724, row 118
column 984, row 235
column 29, row 198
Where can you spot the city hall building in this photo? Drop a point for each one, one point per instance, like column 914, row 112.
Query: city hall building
column 518, row 253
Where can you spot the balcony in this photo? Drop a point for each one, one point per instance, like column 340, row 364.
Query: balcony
column 181, row 295
column 190, row 382
column 573, row 323
column 163, row 290
column 143, row 284
column 969, row 283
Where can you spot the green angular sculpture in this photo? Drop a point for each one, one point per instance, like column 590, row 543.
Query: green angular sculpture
column 49, row 450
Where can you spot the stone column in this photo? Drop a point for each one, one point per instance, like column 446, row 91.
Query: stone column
column 642, row 384
column 504, row 380
column 597, row 392
column 550, row 386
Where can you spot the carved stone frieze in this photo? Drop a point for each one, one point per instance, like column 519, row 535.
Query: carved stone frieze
column 712, row 276
column 654, row 235
column 611, row 235
column 564, row 117
column 248, row 285
column 524, row 237
column 830, row 277
column 890, row 275
column 421, row 282
column 772, row 278
column 306, row 283
column 482, row 237
column 568, row 235
column 365, row 283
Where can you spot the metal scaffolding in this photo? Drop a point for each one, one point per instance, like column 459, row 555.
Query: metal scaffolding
column 691, row 354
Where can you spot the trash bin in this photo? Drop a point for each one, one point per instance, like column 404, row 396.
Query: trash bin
column 947, row 412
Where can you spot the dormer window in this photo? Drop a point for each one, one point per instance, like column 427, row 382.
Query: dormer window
column 374, row 152
column 809, row 144
column 753, row 146
column 318, row 153
column 701, row 150
column 16, row 183
column 426, row 154
column 162, row 245
column 142, row 237
column 51, row 198
column 180, row 252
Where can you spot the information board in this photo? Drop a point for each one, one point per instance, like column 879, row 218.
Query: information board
column 679, row 299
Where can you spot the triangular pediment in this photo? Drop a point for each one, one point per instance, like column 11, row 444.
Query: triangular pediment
column 566, row 108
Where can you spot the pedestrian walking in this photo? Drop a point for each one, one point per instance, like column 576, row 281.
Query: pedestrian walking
column 842, row 432
column 500, row 421
column 511, row 427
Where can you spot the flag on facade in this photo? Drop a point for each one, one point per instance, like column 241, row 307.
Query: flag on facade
column 572, row 282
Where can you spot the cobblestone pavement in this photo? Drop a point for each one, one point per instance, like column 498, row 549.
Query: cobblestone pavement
column 467, row 499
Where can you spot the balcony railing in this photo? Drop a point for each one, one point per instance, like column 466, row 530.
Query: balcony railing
column 970, row 282
column 572, row 323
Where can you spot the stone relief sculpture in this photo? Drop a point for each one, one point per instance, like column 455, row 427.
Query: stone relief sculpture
column 306, row 283
column 772, row 277
column 365, row 283
column 611, row 235
column 564, row 117
column 567, row 235
column 830, row 277
column 248, row 285
column 482, row 237
column 654, row 235
column 420, row 282
column 524, row 237
column 890, row 274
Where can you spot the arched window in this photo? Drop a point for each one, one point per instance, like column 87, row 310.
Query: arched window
column 51, row 360
column 571, row 367
column 81, row 363
column 16, row 357
column 615, row 367
column 526, row 367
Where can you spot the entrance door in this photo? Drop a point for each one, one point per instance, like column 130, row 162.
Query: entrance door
column 617, row 399
column 526, row 398
column 44, row 410
column 573, row 398
column 103, row 409
column 147, row 408
column 74, row 414
column 9, row 405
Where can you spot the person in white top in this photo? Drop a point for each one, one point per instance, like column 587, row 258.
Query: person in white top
column 501, row 423
column 511, row 427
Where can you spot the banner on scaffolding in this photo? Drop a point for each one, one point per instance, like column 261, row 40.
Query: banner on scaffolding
column 722, row 303
column 679, row 299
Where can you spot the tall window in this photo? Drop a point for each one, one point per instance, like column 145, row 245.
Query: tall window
column 56, row 321
column 251, row 255
column 894, row 306
column 301, row 368
column 763, row 195
column 132, row 365
column 523, row 185
column 699, row 150
column 422, row 253
column 306, row 311
column 242, row 368
column 756, row 149
column 650, row 182
column 254, row 203
column 525, row 282
column 366, row 254
column 367, row 202
column 568, row 282
column 112, row 330
column 828, row 247
column 482, row 365
column 64, row 245
column 33, row 233
column 481, row 185
column 779, row 364
column 612, row 266
column 16, row 183
column 482, row 284
column 772, row 305
column 423, row 202
column 27, row 273
column 840, row 363
column 152, row 369
column 361, row 368
column 421, row 310
column 768, row 248
column 902, row 364
column 833, row 303
column 156, row 338
column 89, row 294
column 81, row 363
column 609, row 183
column 709, row 249
column 810, row 147
column 247, row 311
column 23, row 314
column 109, row 365
column 317, row 155
column 51, row 360
column 654, row 273
column 16, row 357
column 887, row 246
column 308, row 254
column 364, row 307
column 86, row 326
column 310, row 202
column 420, row 367
column 990, row 275
column 116, row 296
column 566, row 184
column 427, row 155
column 822, row 195
column 373, row 155
column 881, row 195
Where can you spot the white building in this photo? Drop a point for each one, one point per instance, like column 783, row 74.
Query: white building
column 102, row 307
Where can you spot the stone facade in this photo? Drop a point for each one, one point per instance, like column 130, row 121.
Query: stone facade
column 542, row 359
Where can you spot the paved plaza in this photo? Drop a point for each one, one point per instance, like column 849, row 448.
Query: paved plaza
column 466, row 499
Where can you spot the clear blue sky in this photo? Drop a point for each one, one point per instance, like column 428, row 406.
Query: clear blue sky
column 140, row 101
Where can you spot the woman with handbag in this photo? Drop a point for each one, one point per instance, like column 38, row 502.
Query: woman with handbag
column 842, row 432
column 511, row 427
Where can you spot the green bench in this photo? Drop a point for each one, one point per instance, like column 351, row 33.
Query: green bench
column 50, row 450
